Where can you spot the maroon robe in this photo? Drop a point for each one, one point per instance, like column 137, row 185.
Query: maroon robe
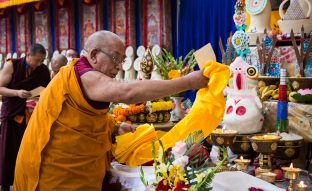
column 11, row 132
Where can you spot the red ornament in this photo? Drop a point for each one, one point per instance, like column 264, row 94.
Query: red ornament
column 198, row 150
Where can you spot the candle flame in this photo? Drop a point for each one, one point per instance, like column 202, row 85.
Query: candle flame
column 241, row 157
column 291, row 165
column 301, row 183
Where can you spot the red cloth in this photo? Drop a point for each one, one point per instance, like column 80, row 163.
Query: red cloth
column 81, row 67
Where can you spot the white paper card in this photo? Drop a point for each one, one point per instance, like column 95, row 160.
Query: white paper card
column 204, row 55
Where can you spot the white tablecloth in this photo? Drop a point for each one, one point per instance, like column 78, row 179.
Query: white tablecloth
column 225, row 181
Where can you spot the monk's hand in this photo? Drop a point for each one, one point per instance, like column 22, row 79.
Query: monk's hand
column 197, row 80
column 125, row 128
column 23, row 94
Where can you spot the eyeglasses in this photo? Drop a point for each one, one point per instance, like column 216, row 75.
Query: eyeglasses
column 115, row 59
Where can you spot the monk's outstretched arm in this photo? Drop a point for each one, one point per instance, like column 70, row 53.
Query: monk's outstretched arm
column 99, row 87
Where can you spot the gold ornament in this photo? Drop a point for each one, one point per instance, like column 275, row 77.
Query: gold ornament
column 274, row 146
column 254, row 146
column 220, row 140
column 151, row 117
column 147, row 63
column 245, row 146
column 289, row 152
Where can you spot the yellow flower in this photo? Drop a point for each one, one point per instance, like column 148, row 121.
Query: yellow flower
column 161, row 106
column 237, row 41
column 174, row 74
column 200, row 177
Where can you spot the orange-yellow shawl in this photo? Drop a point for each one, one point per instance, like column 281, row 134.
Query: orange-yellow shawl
column 66, row 143
column 206, row 114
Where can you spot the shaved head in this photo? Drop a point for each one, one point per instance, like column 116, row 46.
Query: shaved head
column 102, row 39
column 57, row 62
column 105, row 52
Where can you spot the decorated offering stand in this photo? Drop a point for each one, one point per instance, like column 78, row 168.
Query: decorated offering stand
column 277, row 68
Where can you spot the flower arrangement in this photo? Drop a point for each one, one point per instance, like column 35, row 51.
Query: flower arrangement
column 171, row 68
column 123, row 114
column 185, row 167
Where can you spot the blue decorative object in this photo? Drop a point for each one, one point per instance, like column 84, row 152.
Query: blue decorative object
column 240, row 43
column 308, row 68
column 282, row 110
column 273, row 70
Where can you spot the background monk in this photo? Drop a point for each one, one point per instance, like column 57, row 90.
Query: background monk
column 71, row 53
column 68, row 138
column 57, row 62
column 17, row 78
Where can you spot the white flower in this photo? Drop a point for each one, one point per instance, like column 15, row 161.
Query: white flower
column 179, row 149
column 182, row 161
column 162, row 167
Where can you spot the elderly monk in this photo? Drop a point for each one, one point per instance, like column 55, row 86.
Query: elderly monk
column 17, row 78
column 68, row 138
column 57, row 62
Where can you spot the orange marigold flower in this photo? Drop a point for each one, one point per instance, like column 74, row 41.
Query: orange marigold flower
column 174, row 74
column 121, row 118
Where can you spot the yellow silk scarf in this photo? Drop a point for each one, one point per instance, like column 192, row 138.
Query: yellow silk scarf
column 206, row 114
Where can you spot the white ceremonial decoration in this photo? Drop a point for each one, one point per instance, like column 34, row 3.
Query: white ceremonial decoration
column 156, row 51
column 137, row 67
column 14, row 56
column 140, row 51
column 129, row 51
column 128, row 70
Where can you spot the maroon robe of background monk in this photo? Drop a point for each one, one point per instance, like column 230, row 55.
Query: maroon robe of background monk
column 17, row 78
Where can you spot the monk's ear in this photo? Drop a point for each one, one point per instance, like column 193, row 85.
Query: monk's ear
column 93, row 54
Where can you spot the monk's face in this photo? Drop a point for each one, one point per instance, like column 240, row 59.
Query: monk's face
column 110, row 59
column 56, row 65
column 71, row 53
column 35, row 60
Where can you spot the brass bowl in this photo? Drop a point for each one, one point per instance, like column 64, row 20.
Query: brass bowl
column 242, row 145
column 223, row 138
column 268, row 177
column 265, row 144
column 288, row 149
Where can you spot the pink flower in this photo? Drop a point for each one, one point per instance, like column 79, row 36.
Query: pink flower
column 179, row 149
column 239, row 18
column 305, row 91
column 255, row 189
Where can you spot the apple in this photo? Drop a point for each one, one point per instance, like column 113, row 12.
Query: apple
column 279, row 174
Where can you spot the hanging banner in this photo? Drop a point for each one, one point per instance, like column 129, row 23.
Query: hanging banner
column 22, row 28
column 156, row 22
column 91, row 20
column 8, row 3
column 64, row 23
column 42, row 34
column 122, row 20
column 4, row 34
